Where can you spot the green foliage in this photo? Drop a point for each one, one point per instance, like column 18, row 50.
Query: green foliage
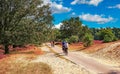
column 82, row 32
column 73, row 31
column 88, row 39
column 116, row 31
column 56, row 34
column 73, row 39
column 107, row 38
column 106, row 35
column 67, row 40
column 24, row 22
column 70, row 27
column 97, row 33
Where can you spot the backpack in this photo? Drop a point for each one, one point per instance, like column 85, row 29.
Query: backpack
column 63, row 44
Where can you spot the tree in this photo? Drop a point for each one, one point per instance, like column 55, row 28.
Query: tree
column 88, row 39
column 73, row 31
column 106, row 35
column 73, row 39
column 82, row 32
column 116, row 31
column 24, row 22
column 57, row 34
column 95, row 32
column 70, row 27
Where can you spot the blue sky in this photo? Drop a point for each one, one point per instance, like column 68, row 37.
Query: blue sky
column 93, row 13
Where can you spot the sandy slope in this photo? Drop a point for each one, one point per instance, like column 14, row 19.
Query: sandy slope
column 90, row 64
column 109, row 55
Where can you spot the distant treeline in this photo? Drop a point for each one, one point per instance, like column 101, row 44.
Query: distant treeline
column 106, row 34
column 72, row 31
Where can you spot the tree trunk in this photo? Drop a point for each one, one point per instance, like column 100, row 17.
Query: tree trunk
column 6, row 49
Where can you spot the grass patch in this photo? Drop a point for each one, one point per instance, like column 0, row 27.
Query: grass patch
column 20, row 62
column 25, row 68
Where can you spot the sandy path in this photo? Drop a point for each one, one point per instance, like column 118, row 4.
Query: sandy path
column 19, row 62
column 85, row 61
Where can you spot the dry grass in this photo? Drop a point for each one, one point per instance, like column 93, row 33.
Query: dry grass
column 24, row 68
column 20, row 62
column 97, row 46
column 28, row 49
column 94, row 48
column 76, row 46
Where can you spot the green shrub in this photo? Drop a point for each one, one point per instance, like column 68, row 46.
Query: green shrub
column 73, row 39
column 68, row 40
column 115, row 39
column 109, row 36
column 88, row 39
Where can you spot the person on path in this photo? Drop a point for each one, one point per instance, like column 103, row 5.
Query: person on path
column 65, row 47
column 52, row 43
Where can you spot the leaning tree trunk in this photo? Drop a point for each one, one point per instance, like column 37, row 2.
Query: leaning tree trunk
column 6, row 49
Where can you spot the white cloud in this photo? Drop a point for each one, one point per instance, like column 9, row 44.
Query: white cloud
column 116, row 6
column 89, row 2
column 58, row 25
column 59, row 1
column 58, row 8
column 73, row 13
column 100, row 19
column 55, row 7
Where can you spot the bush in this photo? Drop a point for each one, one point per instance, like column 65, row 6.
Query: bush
column 115, row 39
column 67, row 39
column 109, row 36
column 73, row 39
column 88, row 39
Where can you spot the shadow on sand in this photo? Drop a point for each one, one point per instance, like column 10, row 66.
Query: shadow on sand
column 59, row 54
